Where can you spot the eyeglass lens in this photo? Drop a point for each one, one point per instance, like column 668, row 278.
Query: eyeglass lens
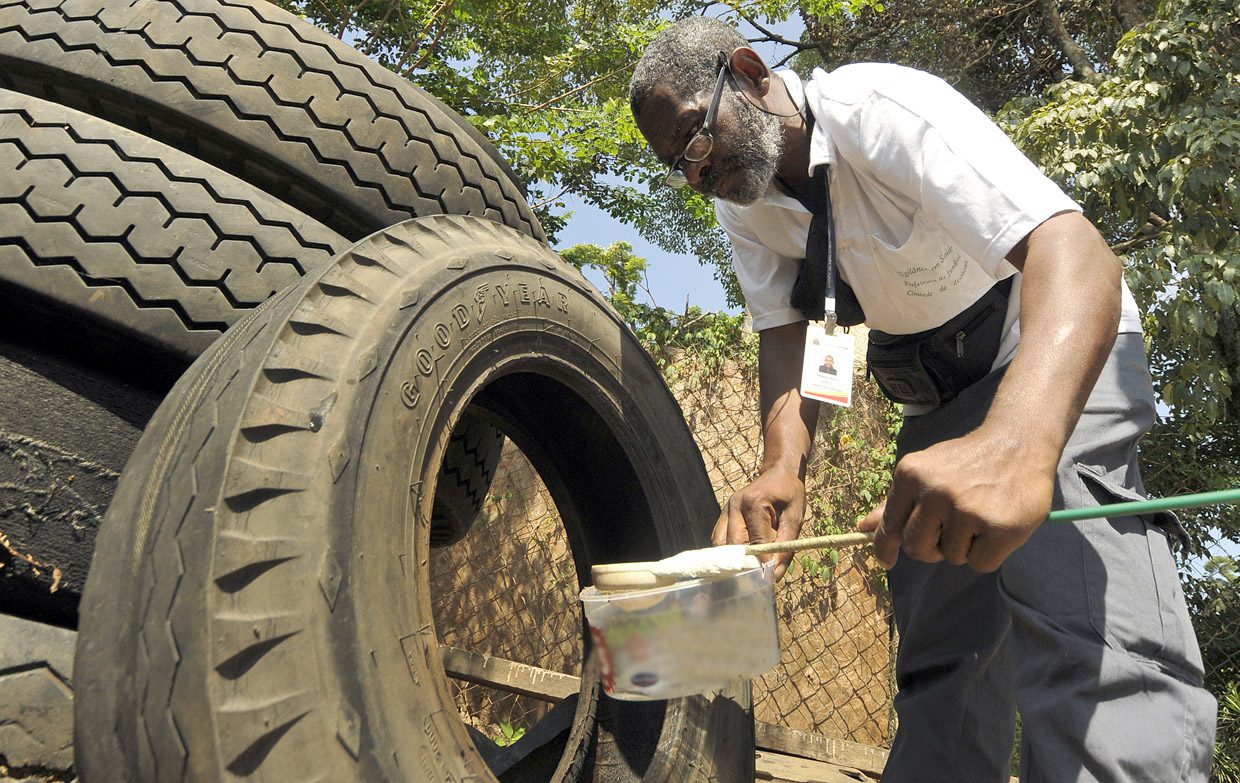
column 702, row 142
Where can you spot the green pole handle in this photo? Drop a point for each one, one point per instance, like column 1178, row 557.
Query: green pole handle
column 1134, row 507
column 1130, row 508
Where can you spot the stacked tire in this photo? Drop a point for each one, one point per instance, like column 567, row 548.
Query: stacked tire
column 221, row 265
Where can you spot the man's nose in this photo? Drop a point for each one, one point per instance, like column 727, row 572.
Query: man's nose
column 695, row 171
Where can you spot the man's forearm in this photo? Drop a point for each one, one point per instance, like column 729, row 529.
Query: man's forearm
column 788, row 419
column 1070, row 304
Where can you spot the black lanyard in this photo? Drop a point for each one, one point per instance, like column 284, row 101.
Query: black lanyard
column 830, row 316
column 819, row 277
column 818, row 286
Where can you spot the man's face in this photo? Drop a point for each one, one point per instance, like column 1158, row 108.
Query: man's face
column 748, row 143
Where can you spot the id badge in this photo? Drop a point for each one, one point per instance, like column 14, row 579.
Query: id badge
column 827, row 372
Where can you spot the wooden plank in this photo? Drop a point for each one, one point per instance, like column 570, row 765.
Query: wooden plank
column 778, row 768
column 508, row 676
column 840, row 752
column 850, row 757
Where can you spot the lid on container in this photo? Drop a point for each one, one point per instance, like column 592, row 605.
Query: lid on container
column 624, row 577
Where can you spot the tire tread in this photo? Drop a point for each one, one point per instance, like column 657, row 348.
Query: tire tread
column 128, row 233
column 386, row 153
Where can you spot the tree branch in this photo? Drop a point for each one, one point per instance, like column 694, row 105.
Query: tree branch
column 770, row 35
column 545, row 104
column 545, row 107
column 1072, row 51
column 414, row 42
column 550, row 199
column 767, row 34
column 1129, row 13
column 1154, row 226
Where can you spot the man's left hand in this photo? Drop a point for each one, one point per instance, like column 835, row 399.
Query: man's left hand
column 969, row 500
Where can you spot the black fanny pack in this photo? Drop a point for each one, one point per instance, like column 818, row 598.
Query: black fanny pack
column 932, row 367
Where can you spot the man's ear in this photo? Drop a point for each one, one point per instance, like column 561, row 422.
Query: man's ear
column 750, row 71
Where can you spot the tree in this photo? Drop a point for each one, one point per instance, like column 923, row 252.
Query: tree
column 991, row 50
column 1152, row 151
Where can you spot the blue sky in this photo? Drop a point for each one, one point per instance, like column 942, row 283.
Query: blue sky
column 670, row 277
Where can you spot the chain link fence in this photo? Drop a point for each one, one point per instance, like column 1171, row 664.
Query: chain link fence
column 510, row 590
column 837, row 652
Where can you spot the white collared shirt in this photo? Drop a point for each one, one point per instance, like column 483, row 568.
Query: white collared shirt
column 928, row 195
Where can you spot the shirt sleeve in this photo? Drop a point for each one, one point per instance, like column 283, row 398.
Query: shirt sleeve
column 918, row 136
column 765, row 276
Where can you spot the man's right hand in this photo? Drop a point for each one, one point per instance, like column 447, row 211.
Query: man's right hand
column 771, row 508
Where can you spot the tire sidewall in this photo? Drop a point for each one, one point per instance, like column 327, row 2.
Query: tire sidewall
column 478, row 327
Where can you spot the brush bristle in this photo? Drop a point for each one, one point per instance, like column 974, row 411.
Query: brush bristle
column 711, row 561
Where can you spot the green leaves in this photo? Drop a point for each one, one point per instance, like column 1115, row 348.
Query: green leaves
column 712, row 338
column 1152, row 153
column 509, row 734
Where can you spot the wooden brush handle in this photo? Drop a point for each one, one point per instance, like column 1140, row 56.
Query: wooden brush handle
column 837, row 541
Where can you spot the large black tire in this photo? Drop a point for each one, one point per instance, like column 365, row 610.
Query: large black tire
column 272, row 527
column 266, row 96
column 36, row 695
column 121, row 260
column 66, row 431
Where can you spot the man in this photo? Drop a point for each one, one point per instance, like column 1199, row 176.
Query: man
column 937, row 217
column 828, row 365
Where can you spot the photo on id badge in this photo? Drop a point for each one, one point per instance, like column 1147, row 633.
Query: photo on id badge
column 827, row 372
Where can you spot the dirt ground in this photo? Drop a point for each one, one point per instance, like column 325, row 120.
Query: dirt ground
column 29, row 775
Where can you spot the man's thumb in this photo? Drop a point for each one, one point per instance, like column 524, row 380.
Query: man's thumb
column 886, row 543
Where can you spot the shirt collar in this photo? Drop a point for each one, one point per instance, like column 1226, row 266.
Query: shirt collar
column 820, row 148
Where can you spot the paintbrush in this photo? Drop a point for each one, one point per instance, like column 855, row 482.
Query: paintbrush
column 734, row 558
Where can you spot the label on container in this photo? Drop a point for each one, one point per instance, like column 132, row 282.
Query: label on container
column 685, row 643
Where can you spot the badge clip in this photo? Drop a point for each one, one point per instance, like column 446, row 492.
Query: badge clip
column 829, row 319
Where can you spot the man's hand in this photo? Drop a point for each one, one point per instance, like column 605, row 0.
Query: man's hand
column 970, row 500
column 771, row 508
column 975, row 499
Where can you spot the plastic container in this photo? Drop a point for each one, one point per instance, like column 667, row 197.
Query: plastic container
column 689, row 637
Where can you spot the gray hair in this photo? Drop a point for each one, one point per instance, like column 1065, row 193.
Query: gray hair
column 684, row 57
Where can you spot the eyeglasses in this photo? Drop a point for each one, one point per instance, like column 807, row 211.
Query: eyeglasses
column 702, row 142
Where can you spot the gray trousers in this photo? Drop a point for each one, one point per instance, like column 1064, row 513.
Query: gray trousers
column 1083, row 629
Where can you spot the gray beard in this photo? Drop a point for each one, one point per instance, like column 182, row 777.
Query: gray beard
column 754, row 159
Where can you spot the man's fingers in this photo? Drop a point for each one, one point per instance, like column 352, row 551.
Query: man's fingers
column 993, row 546
column 887, row 541
column 901, row 500
column 872, row 520
column 719, row 535
column 789, row 528
column 956, row 539
column 754, row 522
column 873, row 523
column 936, row 531
column 988, row 553
column 920, row 538
column 782, row 560
column 742, row 523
